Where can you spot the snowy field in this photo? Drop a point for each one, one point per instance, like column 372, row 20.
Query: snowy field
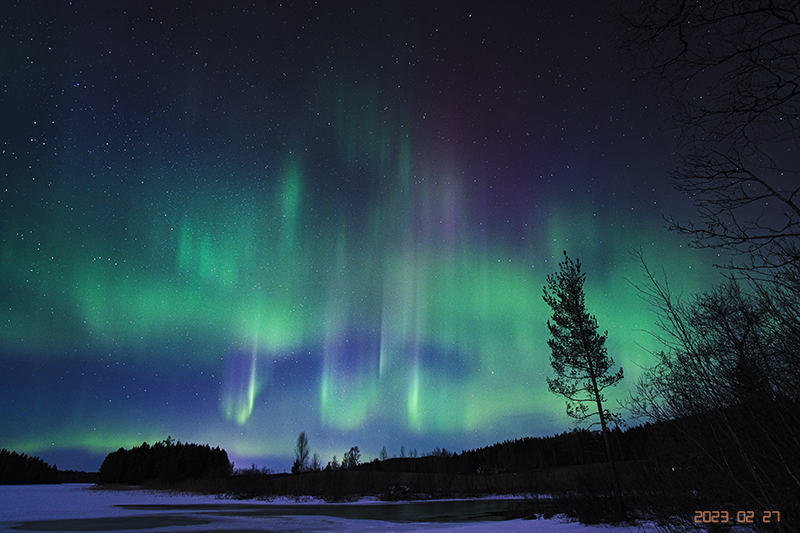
column 81, row 508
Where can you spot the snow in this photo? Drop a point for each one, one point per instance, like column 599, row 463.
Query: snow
column 85, row 508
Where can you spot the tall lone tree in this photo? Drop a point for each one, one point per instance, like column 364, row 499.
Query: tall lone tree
column 579, row 355
column 301, row 452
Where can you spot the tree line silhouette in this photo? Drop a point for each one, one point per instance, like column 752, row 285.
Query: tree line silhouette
column 22, row 469
column 570, row 448
column 167, row 462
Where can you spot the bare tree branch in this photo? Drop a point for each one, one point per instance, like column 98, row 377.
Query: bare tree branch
column 732, row 71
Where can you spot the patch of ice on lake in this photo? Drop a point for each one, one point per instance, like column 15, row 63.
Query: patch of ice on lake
column 28, row 503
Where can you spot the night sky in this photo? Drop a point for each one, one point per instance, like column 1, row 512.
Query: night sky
column 229, row 222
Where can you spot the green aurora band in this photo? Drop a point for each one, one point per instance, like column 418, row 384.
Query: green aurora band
column 377, row 298
column 419, row 318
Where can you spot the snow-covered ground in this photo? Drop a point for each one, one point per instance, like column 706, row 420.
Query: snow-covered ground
column 82, row 508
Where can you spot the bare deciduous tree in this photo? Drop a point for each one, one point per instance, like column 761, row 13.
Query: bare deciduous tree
column 352, row 458
column 301, row 453
column 732, row 71
column 727, row 379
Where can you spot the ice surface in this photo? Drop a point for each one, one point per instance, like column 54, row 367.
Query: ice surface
column 75, row 503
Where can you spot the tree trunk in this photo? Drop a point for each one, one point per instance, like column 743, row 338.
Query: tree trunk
column 620, row 501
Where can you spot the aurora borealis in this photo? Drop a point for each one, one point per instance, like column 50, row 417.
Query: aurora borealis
column 229, row 222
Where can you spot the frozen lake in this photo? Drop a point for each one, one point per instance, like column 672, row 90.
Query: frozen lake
column 81, row 508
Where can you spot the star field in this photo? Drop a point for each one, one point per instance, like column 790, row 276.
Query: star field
column 232, row 222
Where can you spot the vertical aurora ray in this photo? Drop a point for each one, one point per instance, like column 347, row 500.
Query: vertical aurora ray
column 398, row 292
column 349, row 390
column 349, row 386
column 414, row 408
column 290, row 196
column 241, row 385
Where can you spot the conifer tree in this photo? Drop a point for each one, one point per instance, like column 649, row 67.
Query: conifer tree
column 578, row 352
